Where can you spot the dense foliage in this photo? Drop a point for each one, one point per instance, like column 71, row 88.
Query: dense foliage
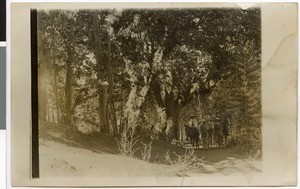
column 147, row 70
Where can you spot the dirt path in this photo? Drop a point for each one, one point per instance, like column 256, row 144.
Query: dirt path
column 61, row 160
column 104, row 144
column 72, row 154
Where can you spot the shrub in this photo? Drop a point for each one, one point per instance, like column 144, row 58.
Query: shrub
column 146, row 151
column 127, row 143
column 184, row 163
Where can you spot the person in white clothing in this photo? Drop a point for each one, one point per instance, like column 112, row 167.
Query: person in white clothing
column 193, row 121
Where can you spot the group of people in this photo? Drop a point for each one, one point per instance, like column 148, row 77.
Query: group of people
column 211, row 130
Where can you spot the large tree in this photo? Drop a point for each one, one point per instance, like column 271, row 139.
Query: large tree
column 152, row 45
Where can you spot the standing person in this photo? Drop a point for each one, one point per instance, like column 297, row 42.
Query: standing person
column 204, row 135
column 218, row 132
column 226, row 128
column 210, row 129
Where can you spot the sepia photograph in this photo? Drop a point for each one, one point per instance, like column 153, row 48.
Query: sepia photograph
column 145, row 94
column 149, row 92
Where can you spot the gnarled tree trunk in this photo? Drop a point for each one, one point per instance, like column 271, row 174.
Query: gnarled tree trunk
column 140, row 82
column 135, row 101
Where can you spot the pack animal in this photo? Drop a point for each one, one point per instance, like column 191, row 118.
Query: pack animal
column 192, row 134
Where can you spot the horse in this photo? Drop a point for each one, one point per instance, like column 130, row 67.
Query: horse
column 192, row 133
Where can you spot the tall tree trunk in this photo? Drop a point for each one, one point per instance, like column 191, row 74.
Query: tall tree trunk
column 135, row 101
column 169, row 105
column 58, row 100
column 54, row 84
column 102, row 104
column 53, row 111
column 168, row 110
column 42, row 92
column 58, row 115
column 114, row 116
column 100, row 74
column 169, row 120
column 42, row 74
column 173, row 110
column 139, row 89
column 169, row 113
column 175, row 118
column 111, row 87
column 48, row 113
column 69, row 86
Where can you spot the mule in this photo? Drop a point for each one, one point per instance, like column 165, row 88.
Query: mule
column 192, row 134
